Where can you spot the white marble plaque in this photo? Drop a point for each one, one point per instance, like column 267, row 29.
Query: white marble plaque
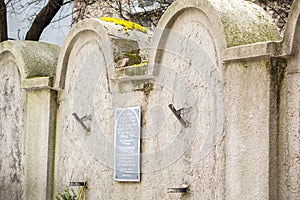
column 127, row 144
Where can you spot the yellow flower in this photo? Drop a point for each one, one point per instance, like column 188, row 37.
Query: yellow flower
column 128, row 25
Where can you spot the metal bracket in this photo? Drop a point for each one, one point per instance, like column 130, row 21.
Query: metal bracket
column 182, row 189
column 177, row 114
column 77, row 184
column 81, row 122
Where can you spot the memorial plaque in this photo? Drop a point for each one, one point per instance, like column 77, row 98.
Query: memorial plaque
column 127, row 144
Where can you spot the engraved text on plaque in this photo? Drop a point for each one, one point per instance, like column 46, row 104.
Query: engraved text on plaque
column 127, row 144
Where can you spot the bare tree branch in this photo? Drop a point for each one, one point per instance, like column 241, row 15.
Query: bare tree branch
column 67, row 2
column 43, row 19
column 3, row 21
column 63, row 17
column 8, row 2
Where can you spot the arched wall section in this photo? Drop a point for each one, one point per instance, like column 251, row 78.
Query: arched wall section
column 291, row 35
column 85, row 63
column 12, row 134
column 186, row 60
column 83, row 32
column 230, row 24
column 86, row 78
column 215, row 60
column 289, row 135
column 24, row 126
column 34, row 59
column 192, row 38
column 191, row 12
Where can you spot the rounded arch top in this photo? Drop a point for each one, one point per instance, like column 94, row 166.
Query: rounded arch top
column 291, row 35
column 234, row 22
column 84, row 31
column 33, row 59
column 106, row 34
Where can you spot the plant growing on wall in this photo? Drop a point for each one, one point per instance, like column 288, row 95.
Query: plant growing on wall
column 70, row 195
column 66, row 195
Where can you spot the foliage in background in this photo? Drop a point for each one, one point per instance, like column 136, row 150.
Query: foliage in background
column 144, row 12
column 278, row 9
column 148, row 12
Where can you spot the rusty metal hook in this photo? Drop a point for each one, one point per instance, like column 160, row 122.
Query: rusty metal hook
column 177, row 113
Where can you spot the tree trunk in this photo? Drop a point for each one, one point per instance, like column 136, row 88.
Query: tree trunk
column 43, row 19
column 3, row 21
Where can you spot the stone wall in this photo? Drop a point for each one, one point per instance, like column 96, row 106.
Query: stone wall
column 11, row 128
column 289, row 115
column 234, row 85
column 205, row 59
column 25, row 133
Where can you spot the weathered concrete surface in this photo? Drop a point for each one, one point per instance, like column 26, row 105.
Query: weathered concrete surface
column 11, row 129
column 247, row 131
column 283, row 92
column 86, row 71
column 186, row 69
column 289, row 129
column 114, row 40
column 33, row 58
column 237, row 22
column 20, row 178
column 290, row 39
column 289, row 148
column 242, row 106
column 187, row 74
column 40, row 135
column 241, row 169
column 244, row 22
column 171, row 155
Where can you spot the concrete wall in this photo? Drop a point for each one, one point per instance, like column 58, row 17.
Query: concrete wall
column 227, row 101
column 11, row 129
column 248, row 129
column 289, row 119
column 86, row 73
column 236, row 81
column 27, row 128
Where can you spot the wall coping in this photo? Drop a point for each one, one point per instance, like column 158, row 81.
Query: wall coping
column 33, row 59
column 287, row 47
column 258, row 50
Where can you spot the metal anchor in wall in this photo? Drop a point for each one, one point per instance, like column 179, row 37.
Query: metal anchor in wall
column 177, row 114
column 182, row 189
column 80, row 120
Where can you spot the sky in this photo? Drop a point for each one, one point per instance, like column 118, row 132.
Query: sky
column 22, row 12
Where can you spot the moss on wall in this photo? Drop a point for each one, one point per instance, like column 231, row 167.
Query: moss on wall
column 246, row 23
column 237, row 34
column 36, row 59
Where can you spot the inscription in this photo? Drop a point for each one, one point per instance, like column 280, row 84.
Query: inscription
column 127, row 144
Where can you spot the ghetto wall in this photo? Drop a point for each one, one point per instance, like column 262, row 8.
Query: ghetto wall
column 206, row 107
